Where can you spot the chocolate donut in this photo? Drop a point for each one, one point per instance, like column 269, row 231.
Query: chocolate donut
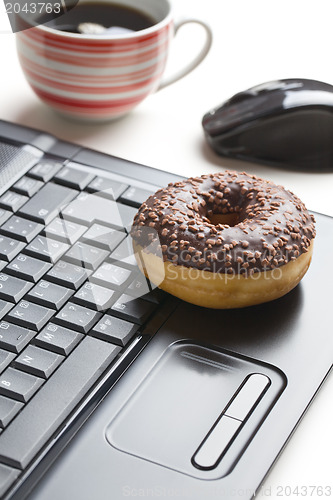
column 225, row 240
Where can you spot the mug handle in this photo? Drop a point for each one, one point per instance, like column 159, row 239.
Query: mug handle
column 197, row 60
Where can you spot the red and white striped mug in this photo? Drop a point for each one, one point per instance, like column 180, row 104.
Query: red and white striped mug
column 101, row 77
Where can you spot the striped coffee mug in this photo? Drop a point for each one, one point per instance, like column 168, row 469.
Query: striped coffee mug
column 103, row 76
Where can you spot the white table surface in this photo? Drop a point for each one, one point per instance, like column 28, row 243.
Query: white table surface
column 254, row 41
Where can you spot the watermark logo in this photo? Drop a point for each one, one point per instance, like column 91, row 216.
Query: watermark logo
column 111, row 258
column 18, row 15
column 103, row 255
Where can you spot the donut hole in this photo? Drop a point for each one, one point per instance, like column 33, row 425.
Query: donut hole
column 232, row 219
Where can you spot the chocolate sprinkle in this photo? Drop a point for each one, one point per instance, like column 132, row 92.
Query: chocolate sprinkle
column 271, row 225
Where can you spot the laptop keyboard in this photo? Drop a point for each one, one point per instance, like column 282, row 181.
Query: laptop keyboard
column 72, row 299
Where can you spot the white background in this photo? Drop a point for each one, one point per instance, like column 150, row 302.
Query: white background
column 254, row 41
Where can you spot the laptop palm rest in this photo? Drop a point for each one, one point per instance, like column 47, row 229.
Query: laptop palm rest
column 197, row 410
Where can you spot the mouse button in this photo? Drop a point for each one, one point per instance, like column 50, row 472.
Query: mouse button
column 228, row 117
column 261, row 89
column 305, row 98
column 277, row 86
column 240, row 97
column 311, row 85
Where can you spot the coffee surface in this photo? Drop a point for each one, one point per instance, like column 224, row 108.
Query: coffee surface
column 116, row 18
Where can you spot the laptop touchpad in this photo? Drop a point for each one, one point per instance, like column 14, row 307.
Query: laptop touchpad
column 197, row 410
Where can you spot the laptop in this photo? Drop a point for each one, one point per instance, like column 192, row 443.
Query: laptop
column 111, row 388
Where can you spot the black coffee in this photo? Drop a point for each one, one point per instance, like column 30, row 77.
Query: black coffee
column 118, row 19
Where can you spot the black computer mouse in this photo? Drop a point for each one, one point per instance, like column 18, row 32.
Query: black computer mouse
column 285, row 122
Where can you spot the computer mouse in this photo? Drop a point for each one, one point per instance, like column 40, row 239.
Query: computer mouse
column 287, row 123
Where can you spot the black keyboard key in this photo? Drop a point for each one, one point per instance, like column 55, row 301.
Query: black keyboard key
column 47, row 203
column 58, row 339
column 4, row 215
column 14, row 338
column 134, row 310
column 13, row 289
column 30, row 315
column 5, row 359
column 64, row 230
column 142, row 287
column 106, row 188
column 45, row 170
column 28, row 268
column 127, row 215
column 77, row 317
column 111, row 275
column 9, row 248
column 19, row 385
column 66, row 274
column 22, row 229
column 9, row 408
column 46, row 249
column 7, row 477
column 27, row 186
column 49, row 294
column 124, row 254
column 5, row 307
column 135, row 196
column 38, row 361
column 12, row 201
column 85, row 255
column 156, row 295
column 114, row 330
column 104, row 237
column 87, row 209
column 40, row 419
column 72, row 177
column 95, row 296
column 139, row 287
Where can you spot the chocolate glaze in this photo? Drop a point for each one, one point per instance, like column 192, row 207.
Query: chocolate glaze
column 273, row 226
